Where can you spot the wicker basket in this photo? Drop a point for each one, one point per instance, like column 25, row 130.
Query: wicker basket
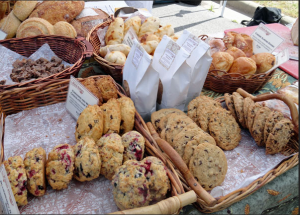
column 73, row 51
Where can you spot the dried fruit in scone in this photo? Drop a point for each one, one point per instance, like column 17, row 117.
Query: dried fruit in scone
column 134, row 146
column 16, row 174
column 35, row 166
column 90, row 123
column 134, row 22
column 107, row 88
column 87, row 160
column 127, row 114
column 115, row 32
column 111, row 150
column 150, row 25
column 91, row 85
column 60, row 166
column 111, row 116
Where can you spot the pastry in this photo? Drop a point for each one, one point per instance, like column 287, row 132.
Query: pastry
column 264, row 62
column 224, row 129
column 134, row 22
column 87, row 160
column 247, row 103
column 125, row 49
column 111, row 116
column 229, row 38
column 10, row 25
column 230, row 105
column 116, row 57
column 90, row 123
column 150, row 46
column 16, row 174
column 91, row 85
column 216, row 45
column 221, row 61
column 235, row 52
column 60, row 166
column 192, row 108
column 115, row 32
column 208, row 165
column 22, row 9
column 174, row 38
column 149, row 37
column 35, row 164
column 127, row 114
column 165, row 30
column 150, row 26
column 252, row 111
column 111, row 151
column 65, row 29
column 272, row 119
column 243, row 65
column 107, row 88
column 238, row 101
column 245, row 43
column 134, row 146
column 33, row 27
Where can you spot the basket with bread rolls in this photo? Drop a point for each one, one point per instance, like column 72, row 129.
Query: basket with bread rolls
column 234, row 65
column 109, row 49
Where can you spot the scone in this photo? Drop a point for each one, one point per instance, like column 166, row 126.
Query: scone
column 16, row 174
column 238, row 101
column 91, row 85
column 35, row 166
column 107, row 88
column 127, row 114
column 111, row 151
column 111, row 116
column 272, row 119
column 134, row 146
column 60, row 166
column 87, row 160
column 264, row 62
column 208, row 165
column 90, row 123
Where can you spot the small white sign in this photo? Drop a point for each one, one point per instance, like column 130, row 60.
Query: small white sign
column 79, row 98
column 265, row 40
column 129, row 37
column 280, row 58
column 3, row 35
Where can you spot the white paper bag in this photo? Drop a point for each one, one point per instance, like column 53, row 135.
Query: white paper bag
column 170, row 61
column 141, row 79
column 199, row 61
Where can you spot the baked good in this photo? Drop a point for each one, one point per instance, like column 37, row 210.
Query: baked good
column 33, row 27
column 259, row 124
column 55, row 11
column 149, row 37
column 243, row 65
column 10, row 25
column 107, row 88
column 91, row 85
column 4, row 6
column 174, row 38
column 125, row 49
column 208, row 165
column 272, row 119
column 87, row 160
column 165, row 30
column 150, row 25
column 192, row 108
column 127, row 114
column 134, row 22
column 115, row 32
column 247, row 103
column 63, row 28
column 111, row 151
column 16, row 174
column 221, row 61
column 22, row 9
column 90, row 123
column 116, row 57
column 35, row 166
column 216, row 45
column 238, row 102
column 235, row 52
column 280, row 136
column 134, row 146
column 230, row 104
column 252, row 111
column 111, row 116
column 228, row 39
column 60, row 166
column 245, row 43
column 264, row 62
column 150, row 46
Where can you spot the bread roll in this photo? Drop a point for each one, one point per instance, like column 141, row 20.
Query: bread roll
column 149, row 37
column 115, row 32
column 264, row 61
column 125, row 49
column 150, row 26
column 221, row 61
column 22, row 9
column 245, row 43
column 116, row 57
column 4, row 6
column 174, row 37
column 229, row 38
column 10, row 25
column 63, row 28
column 134, row 22
column 33, row 27
column 235, row 52
column 243, row 65
column 150, row 46
column 166, row 30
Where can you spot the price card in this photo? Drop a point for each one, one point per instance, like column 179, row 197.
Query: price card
column 129, row 37
column 3, row 35
column 79, row 98
column 265, row 40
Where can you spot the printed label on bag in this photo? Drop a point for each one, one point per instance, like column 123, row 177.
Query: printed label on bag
column 3, row 35
column 129, row 37
column 79, row 98
column 169, row 54
column 137, row 56
column 8, row 203
column 265, row 40
column 190, row 44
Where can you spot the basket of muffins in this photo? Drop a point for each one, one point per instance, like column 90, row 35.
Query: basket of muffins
column 235, row 66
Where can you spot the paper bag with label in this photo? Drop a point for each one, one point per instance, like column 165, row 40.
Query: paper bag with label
column 170, row 61
column 141, row 80
column 199, row 61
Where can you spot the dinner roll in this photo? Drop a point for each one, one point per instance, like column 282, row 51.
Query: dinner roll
column 115, row 32
column 125, row 49
column 264, row 61
column 150, row 46
column 116, row 57
column 149, row 37
column 235, row 52
column 63, row 28
column 243, row 65
column 221, row 61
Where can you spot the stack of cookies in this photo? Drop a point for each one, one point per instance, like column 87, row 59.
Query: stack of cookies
column 268, row 127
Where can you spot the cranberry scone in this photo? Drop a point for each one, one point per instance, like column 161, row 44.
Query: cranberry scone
column 134, row 146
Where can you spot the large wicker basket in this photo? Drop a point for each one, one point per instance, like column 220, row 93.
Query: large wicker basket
column 73, row 51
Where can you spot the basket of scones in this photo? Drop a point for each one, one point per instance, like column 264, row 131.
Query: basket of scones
column 235, row 66
column 109, row 43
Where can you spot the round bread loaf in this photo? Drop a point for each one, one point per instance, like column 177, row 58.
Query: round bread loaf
column 235, row 52
column 33, row 27
column 264, row 61
column 10, row 25
column 243, row 65
column 22, row 9
column 116, row 57
column 221, row 61
column 63, row 28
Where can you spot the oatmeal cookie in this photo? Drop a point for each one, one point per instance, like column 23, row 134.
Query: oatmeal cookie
column 60, row 166
column 87, row 160
column 230, row 104
column 272, row 119
column 91, row 85
column 192, row 108
column 107, row 88
column 90, row 123
column 111, row 116
column 252, row 111
column 16, row 174
column 259, row 124
column 247, row 103
column 238, row 102
column 134, row 146
column 35, row 166
column 127, row 114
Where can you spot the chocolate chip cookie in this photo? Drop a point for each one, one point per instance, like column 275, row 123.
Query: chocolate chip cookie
column 230, row 105
column 111, row 116
column 272, row 119
column 253, row 109
column 127, row 114
column 107, row 88
column 238, row 102
column 192, row 108
column 259, row 124
column 247, row 103
column 134, row 146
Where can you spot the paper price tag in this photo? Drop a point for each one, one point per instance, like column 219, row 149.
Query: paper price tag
column 129, row 37
column 265, row 40
column 79, row 98
column 3, row 35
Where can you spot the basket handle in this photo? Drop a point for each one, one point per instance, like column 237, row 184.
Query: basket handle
column 89, row 48
column 179, row 163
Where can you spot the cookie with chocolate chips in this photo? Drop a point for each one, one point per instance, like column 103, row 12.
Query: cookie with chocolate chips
column 238, row 101
column 192, row 108
column 272, row 119
column 259, row 124
column 127, row 114
column 253, row 109
column 247, row 103
column 230, row 105
column 111, row 116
